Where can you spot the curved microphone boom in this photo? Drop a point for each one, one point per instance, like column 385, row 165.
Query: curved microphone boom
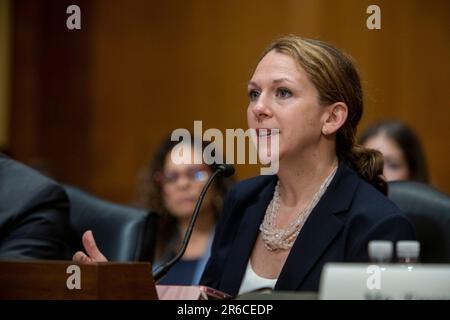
column 225, row 170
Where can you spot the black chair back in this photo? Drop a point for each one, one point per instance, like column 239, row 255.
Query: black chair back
column 429, row 211
column 122, row 233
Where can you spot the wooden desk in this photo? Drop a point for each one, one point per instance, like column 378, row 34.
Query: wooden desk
column 101, row 281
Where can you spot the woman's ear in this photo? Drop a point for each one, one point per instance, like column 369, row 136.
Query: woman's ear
column 335, row 117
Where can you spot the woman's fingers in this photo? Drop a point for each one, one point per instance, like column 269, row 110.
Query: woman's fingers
column 81, row 257
column 93, row 253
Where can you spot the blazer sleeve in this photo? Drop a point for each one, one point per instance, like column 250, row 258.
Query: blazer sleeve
column 39, row 230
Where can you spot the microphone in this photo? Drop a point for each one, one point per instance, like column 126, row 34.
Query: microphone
column 225, row 170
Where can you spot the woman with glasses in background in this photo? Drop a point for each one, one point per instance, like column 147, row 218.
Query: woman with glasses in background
column 173, row 191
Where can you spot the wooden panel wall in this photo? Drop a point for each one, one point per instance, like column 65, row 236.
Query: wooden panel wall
column 5, row 69
column 96, row 102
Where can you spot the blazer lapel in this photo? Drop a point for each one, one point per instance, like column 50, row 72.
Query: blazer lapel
column 315, row 236
column 319, row 230
column 245, row 239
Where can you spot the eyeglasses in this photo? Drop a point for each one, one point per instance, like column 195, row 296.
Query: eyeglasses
column 193, row 174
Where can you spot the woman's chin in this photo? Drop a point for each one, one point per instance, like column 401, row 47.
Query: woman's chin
column 267, row 157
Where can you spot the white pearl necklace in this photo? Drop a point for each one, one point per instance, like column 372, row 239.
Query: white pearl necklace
column 283, row 239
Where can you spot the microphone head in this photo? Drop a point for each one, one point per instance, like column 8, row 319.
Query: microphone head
column 226, row 170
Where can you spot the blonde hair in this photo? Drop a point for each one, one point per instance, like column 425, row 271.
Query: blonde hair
column 336, row 79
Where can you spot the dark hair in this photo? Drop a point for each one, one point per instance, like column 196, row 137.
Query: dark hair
column 336, row 79
column 409, row 143
column 167, row 241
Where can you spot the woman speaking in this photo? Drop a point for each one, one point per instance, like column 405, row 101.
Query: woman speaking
column 326, row 202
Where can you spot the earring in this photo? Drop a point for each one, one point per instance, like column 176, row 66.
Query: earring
column 325, row 131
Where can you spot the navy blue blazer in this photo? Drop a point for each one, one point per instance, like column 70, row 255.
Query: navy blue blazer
column 349, row 215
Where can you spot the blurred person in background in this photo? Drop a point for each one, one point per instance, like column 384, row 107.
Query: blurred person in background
column 172, row 190
column 404, row 158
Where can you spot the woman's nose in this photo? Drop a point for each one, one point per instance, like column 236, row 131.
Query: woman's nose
column 183, row 181
column 261, row 109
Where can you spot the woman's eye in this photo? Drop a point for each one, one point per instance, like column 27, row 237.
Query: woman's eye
column 393, row 165
column 253, row 95
column 284, row 93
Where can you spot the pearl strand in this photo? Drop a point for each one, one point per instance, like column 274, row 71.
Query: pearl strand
column 283, row 239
